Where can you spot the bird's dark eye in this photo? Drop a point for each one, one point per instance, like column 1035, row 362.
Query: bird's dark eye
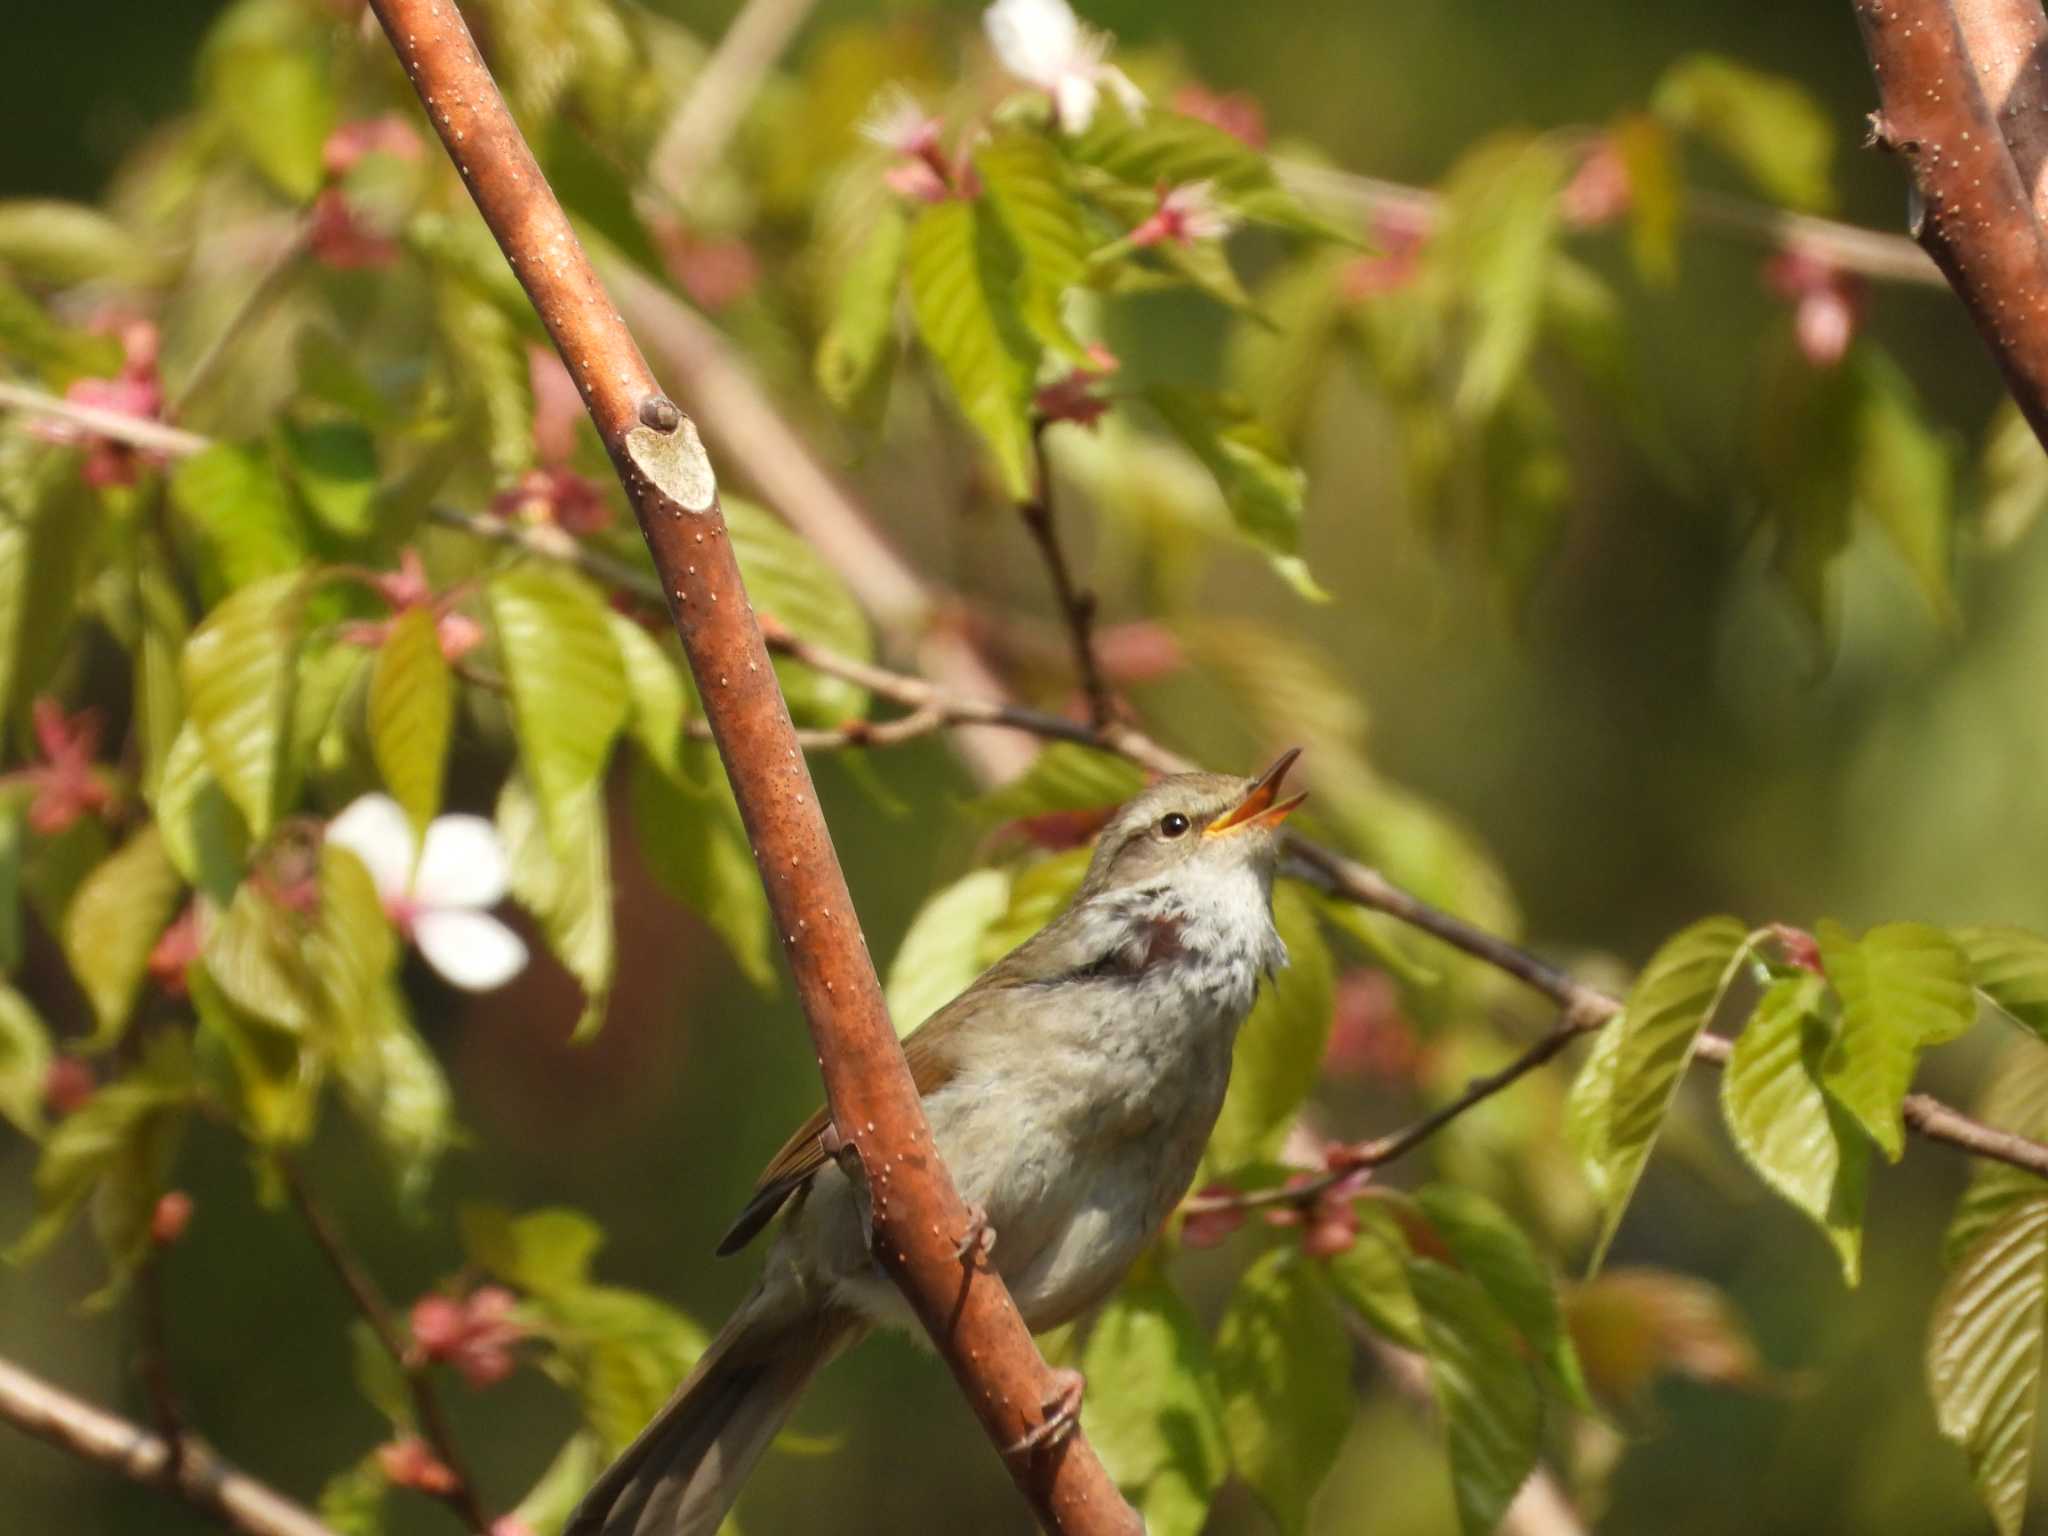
column 1173, row 824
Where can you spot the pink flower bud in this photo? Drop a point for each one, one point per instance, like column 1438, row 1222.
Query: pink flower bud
column 172, row 1215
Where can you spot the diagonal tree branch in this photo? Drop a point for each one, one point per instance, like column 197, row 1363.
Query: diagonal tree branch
column 1076, row 604
column 194, row 1475
column 669, row 479
column 695, row 139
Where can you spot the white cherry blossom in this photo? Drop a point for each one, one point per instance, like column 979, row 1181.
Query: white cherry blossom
column 440, row 901
column 1044, row 43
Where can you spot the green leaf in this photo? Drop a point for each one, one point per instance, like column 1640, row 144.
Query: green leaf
column 234, row 496
column 265, row 79
column 941, row 951
column 966, row 291
column 546, row 1252
column 786, row 578
column 335, row 466
column 1768, row 125
column 411, row 715
column 204, row 835
column 351, row 949
column 1372, row 1275
column 857, row 351
column 2017, row 1101
column 1065, row 776
column 1655, row 193
column 561, row 872
column 1903, row 987
column 696, row 847
column 44, row 240
column 1802, row 1143
column 62, row 354
column 659, row 695
column 485, row 359
column 122, row 1141
column 1279, row 1052
column 568, row 683
column 378, row 1377
column 1492, row 1407
column 159, row 695
column 2010, row 967
column 1491, row 1249
column 1264, row 489
column 1669, row 1005
column 13, row 841
column 1153, row 1410
column 1905, row 478
column 274, row 1073
column 397, row 1088
column 1038, row 893
column 352, row 1500
column 1160, row 146
column 113, row 923
column 256, row 954
column 2015, row 479
column 239, row 669
column 1984, row 1353
column 25, row 1056
column 1283, row 1365
column 1026, row 182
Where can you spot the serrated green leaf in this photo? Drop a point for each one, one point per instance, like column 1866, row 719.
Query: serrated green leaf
column 265, row 79
column 966, row 292
column 1769, row 126
column 2016, row 1100
column 334, row 464
column 941, row 950
column 1026, row 181
column 1903, row 987
column 25, row 1055
column 411, row 715
column 2010, row 967
column 396, row 1087
column 788, row 580
column 125, row 1136
column 1667, row 1008
column 1372, row 1275
column 1163, row 147
column 1491, row 1249
column 204, row 835
column 561, row 872
column 256, row 954
column 1279, row 1051
column 1283, row 1367
column 547, row 1252
column 1063, row 777
column 239, row 670
column 567, row 681
column 274, row 1074
column 48, row 241
column 351, row 949
column 1984, row 1355
column 1801, row 1143
column 234, row 496
column 858, row 348
column 695, row 846
column 1038, row 893
column 113, row 923
column 1492, row 1407
column 485, row 358
column 1153, row 1411
column 660, row 695
column 1264, row 489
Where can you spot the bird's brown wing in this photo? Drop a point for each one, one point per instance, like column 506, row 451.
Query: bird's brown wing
column 931, row 1065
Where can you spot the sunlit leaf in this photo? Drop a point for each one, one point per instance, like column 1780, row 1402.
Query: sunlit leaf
column 25, row 1055
column 486, row 359
column 1163, row 147
column 1063, row 777
column 159, row 693
column 1153, row 1410
column 1903, row 987
column 411, row 714
column 1372, row 1275
column 1279, row 1051
column 695, row 846
column 239, row 669
column 1264, row 488
column 1803, row 1144
column 2015, row 476
column 1769, row 126
column 659, row 693
column 256, row 954
column 204, row 835
column 233, row 494
column 1669, row 1005
column 351, row 1502
column 1025, row 181
column 1492, row 1407
column 2010, row 967
column 1283, row 1365
column 1984, row 1356
column 399, row 1091
column 265, row 77
column 941, row 950
column 273, row 1074
column 547, row 1252
column 2015, row 1100
column 966, row 288
column 1905, row 479
column 788, row 580
column 1038, row 893
column 47, row 241
column 112, row 924
column 334, row 464
column 1650, row 161
column 561, row 872
column 858, row 349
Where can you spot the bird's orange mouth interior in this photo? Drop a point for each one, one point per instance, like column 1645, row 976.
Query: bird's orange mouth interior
column 1261, row 806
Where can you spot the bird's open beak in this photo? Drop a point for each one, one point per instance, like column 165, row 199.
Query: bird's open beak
column 1257, row 808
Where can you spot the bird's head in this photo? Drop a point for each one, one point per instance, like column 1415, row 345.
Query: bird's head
column 1190, row 823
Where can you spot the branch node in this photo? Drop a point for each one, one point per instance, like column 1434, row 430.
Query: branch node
column 660, row 413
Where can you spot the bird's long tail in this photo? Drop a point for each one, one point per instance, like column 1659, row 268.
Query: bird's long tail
column 683, row 1474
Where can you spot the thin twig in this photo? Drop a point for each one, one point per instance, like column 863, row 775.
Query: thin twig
column 696, row 137
column 1077, row 605
column 118, row 426
column 197, row 1476
column 269, row 285
column 375, row 1311
column 154, row 1361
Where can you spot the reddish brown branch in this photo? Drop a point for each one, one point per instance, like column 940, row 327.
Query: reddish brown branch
column 669, row 480
column 370, row 1305
column 1976, row 219
column 2008, row 43
column 195, row 1475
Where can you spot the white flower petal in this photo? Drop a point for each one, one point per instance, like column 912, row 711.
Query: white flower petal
column 376, row 830
column 472, row 949
column 1126, row 91
column 1036, row 40
column 1073, row 100
column 462, row 864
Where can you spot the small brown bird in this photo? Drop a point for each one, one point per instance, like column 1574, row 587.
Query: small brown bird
column 1071, row 1090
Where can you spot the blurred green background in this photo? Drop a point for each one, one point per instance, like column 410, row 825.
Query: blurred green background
column 1654, row 740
